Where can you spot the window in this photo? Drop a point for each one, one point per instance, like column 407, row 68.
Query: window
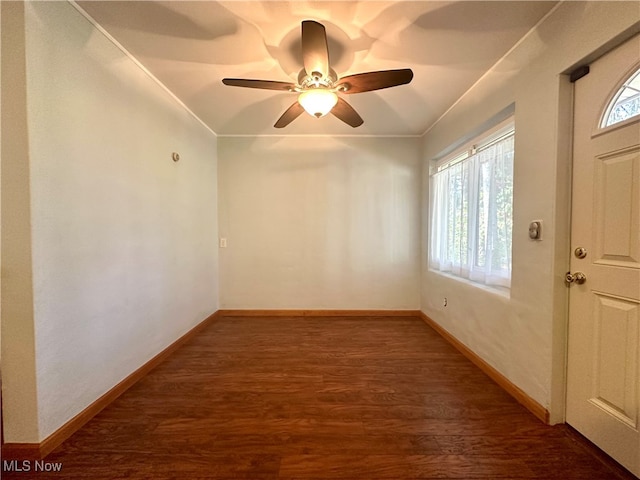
column 471, row 210
column 625, row 103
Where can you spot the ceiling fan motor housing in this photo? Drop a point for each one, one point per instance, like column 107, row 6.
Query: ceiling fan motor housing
column 316, row 79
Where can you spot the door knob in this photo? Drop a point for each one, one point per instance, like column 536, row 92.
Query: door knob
column 577, row 277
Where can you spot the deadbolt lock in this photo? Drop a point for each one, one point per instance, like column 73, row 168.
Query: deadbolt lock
column 580, row 252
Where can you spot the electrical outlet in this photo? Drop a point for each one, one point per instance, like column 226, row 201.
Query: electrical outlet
column 445, row 302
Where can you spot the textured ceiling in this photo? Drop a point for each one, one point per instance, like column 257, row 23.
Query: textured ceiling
column 191, row 46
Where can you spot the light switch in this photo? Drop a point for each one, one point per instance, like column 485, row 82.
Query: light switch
column 223, row 242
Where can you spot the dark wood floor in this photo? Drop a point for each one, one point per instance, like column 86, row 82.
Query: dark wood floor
column 321, row 398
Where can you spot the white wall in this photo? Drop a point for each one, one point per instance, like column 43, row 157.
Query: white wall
column 123, row 240
column 524, row 336
column 319, row 222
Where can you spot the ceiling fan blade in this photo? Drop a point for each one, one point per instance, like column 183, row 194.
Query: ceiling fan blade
column 315, row 51
column 346, row 113
column 366, row 82
column 293, row 112
column 263, row 84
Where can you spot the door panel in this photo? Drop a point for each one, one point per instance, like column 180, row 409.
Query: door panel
column 616, row 208
column 603, row 376
column 615, row 362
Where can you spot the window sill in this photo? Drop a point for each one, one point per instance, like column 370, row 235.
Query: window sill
column 494, row 289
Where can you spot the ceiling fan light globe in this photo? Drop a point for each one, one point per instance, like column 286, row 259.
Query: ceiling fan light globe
column 318, row 102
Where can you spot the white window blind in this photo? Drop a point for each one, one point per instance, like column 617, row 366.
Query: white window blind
column 471, row 214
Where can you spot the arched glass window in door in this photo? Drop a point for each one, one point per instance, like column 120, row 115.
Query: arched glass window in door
column 625, row 103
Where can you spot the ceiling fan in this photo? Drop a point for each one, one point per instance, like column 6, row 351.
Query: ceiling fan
column 318, row 85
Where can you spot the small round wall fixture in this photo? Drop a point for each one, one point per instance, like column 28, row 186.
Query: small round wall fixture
column 175, row 156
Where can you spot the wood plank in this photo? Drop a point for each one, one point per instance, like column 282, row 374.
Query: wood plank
column 310, row 398
column 395, row 467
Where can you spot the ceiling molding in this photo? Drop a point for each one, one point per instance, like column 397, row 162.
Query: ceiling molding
column 128, row 54
column 493, row 67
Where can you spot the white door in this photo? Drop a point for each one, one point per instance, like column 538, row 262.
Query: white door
column 603, row 378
